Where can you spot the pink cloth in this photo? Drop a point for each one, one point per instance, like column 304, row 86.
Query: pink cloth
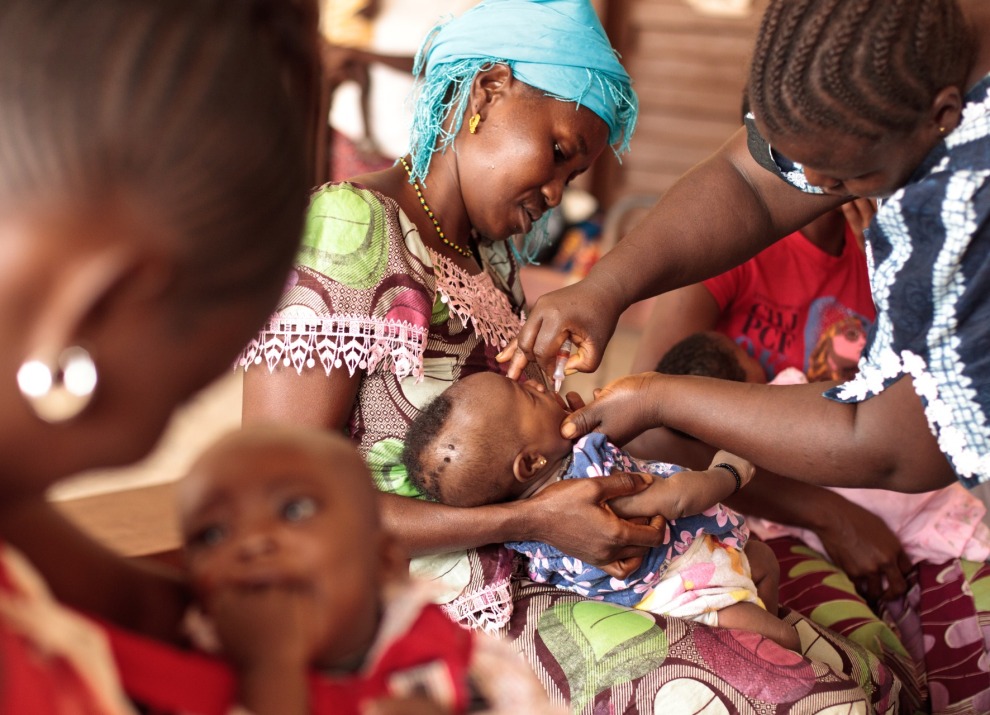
column 933, row 526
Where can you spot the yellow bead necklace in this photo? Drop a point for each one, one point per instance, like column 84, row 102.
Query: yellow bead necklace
column 466, row 252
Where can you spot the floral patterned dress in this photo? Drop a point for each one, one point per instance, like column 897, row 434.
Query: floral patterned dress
column 368, row 295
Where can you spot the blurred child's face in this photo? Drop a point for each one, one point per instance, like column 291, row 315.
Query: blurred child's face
column 274, row 515
column 844, row 165
column 526, row 150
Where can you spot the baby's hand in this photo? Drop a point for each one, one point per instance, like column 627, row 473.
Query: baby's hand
column 270, row 624
column 744, row 467
column 622, row 568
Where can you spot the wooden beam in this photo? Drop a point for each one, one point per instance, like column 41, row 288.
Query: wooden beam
column 140, row 521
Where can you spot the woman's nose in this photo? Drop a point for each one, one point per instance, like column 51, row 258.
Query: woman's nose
column 553, row 192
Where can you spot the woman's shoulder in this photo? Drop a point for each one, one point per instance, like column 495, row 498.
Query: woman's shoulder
column 357, row 235
column 345, row 202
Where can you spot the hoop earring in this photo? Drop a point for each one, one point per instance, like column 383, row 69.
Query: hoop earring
column 58, row 391
column 473, row 123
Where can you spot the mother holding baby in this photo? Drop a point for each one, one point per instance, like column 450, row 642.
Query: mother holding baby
column 407, row 281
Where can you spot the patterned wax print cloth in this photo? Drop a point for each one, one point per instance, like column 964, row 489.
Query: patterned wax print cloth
column 595, row 456
column 928, row 251
column 935, row 638
column 699, row 583
column 367, row 295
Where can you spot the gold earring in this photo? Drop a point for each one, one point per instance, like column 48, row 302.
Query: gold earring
column 58, row 390
column 540, row 463
column 941, row 130
column 473, row 123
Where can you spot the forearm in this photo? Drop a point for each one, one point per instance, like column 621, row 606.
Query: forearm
column 688, row 492
column 786, row 501
column 571, row 515
column 672, row 246
column 425, row 527
column 768, row 495
column 793, row 430
column 141, row 596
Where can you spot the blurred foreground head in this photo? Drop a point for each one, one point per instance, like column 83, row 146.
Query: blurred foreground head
column 153, row 179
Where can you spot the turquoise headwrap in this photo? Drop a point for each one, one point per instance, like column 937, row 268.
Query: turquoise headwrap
column 557, row 46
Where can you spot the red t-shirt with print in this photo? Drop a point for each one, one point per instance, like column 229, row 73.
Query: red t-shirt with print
column 794, row 305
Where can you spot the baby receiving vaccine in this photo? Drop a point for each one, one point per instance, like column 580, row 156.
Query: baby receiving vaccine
column 706, row 568
column 292, row 572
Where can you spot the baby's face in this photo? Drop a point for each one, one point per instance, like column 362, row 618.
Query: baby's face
column 270, row 516
column 532, row 412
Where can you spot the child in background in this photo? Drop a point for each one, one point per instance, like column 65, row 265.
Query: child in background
column 711, row 354
column 700, row 572
column 292, row 570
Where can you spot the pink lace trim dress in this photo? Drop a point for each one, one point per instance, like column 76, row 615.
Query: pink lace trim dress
column 367, row 295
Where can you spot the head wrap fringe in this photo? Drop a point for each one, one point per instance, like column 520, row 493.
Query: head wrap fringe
column 442, row 90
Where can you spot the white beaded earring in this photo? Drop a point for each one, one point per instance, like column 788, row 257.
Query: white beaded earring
column 57, row 391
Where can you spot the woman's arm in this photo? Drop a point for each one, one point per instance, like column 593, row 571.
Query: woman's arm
column 423, row 527
column 722, row 212
column 690, row 492
column 883, row 442
column 310, row 398
column 570, row 515
column 855, row 539
column 136, row 594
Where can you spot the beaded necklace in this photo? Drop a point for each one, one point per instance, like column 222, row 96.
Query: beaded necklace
column 466, row 252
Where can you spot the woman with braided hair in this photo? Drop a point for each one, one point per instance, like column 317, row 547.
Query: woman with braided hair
column 849, row 98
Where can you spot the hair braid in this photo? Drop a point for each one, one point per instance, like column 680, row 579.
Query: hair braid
column 867, row 67
column 854, row 104
column 807, row 42
column 775, row 29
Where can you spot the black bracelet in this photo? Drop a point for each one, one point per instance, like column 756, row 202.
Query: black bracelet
column 733, row 471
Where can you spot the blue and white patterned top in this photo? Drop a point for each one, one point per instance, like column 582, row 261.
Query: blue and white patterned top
column 929, row 254
column 595, row 456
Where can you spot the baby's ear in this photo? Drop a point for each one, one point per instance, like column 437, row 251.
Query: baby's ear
column 527, row 465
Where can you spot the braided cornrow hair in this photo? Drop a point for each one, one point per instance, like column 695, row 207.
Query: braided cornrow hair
column 868, row 66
